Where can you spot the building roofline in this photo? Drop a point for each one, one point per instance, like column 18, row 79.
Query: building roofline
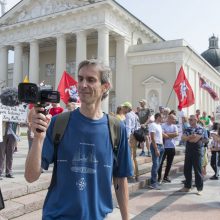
column 138, row 20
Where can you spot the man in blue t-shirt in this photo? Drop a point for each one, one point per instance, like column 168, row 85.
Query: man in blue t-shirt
column 85, row 157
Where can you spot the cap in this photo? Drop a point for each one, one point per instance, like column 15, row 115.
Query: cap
column 127, row 104
column 143, row 101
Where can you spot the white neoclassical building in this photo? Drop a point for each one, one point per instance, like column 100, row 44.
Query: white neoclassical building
column 50, row 36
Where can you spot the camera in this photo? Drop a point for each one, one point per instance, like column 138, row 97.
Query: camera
column 40, row 95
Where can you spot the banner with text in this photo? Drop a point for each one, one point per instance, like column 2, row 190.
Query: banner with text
column 14, row 114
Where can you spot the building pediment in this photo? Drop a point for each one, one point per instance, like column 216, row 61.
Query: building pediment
column 153, row 80
column 32, row 9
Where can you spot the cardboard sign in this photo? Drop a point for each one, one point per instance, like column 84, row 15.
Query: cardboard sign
column 14, row 114
column 217, row 114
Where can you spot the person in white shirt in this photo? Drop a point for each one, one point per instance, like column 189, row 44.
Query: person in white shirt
column 157, row 148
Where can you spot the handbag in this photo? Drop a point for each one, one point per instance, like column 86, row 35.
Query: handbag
column 2, row 204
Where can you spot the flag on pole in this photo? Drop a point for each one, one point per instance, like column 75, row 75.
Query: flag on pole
column 26, row 80
column 68, row 88
column 183, row 90
column 203, row 84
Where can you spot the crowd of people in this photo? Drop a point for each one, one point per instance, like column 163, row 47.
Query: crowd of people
column 86, row 162
column 164, row 130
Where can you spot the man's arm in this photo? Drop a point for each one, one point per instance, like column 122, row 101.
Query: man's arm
column 33, row 160
column 121, row 191
column 152, row 135
column 172, row 135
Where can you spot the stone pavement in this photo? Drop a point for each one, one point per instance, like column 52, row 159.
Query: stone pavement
column 168, row 203
column 24, row 201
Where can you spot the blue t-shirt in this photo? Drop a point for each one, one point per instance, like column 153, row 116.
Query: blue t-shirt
column 169, row 142
column 84, row 169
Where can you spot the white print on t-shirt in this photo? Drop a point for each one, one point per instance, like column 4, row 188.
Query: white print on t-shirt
column 84, row 160
column 81, row 184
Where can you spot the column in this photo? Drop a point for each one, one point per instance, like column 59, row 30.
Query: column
column 17, row 73
column 34, row 62
column 103, row 56
column 123, row 87
column 81, row 48
column 60, row 58
column 4, row 65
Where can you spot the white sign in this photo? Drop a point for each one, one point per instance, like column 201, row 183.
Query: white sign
column 217, row 114
column 1, row 136
column 14, row 114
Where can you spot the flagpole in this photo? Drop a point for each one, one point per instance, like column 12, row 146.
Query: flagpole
column 169, row 97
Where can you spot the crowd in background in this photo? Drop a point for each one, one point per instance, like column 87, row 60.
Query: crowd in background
column 155, row 133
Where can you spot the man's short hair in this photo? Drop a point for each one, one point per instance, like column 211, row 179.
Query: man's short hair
column 193, row 117
column 157, row 115
column 105, row 72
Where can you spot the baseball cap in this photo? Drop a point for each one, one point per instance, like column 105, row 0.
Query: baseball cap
column 127, row 104
column 143, row 101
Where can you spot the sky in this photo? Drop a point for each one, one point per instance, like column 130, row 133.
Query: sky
column 192, row 20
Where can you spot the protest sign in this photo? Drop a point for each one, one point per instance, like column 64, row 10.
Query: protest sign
column 14, row 114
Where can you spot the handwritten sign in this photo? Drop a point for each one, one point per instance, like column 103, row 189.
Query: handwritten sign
column 1, row 136
column 14, row 114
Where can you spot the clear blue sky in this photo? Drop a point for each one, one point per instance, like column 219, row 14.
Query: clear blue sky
column 193, row 20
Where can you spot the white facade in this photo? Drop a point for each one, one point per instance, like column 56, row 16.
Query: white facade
column 49, row 36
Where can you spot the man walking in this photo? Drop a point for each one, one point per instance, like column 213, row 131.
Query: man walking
column 85, row 155
column 194, row 136
column 132, row 124
column 170, row 132
column 156, row 148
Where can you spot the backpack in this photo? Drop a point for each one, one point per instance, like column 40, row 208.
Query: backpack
column 60, row 125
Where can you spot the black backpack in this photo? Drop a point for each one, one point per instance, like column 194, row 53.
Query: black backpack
column 59, row 128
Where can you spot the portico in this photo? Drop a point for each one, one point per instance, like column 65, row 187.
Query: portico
column 49, row 37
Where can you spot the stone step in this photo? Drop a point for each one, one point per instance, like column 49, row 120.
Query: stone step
column 17, row 188
column 28, row 206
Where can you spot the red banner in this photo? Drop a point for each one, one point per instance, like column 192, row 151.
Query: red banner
column 68, row 88
column 203, row 84
column 183, row 90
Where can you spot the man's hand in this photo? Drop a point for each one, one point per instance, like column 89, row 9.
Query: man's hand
column 40, row 121
column 157, row 152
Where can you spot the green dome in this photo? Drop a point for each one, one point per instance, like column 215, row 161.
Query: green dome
column 212, row 55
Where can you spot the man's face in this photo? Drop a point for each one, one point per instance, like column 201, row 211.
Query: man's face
column 161, row 109
column 90, row 88
column 204, row 114
column 192, row 121
column 198, row 112
column 171, row 119
column 159, row 119
column 142, row 104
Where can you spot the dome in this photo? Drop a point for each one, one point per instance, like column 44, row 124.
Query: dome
column 212, row 55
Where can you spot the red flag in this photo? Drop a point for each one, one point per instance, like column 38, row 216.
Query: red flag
column 183, row 90
column 203, row 84
column 68, row 88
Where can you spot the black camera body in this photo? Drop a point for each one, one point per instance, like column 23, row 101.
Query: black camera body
column 39, row 95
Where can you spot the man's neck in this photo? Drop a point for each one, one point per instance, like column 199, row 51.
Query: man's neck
column 91, row 111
